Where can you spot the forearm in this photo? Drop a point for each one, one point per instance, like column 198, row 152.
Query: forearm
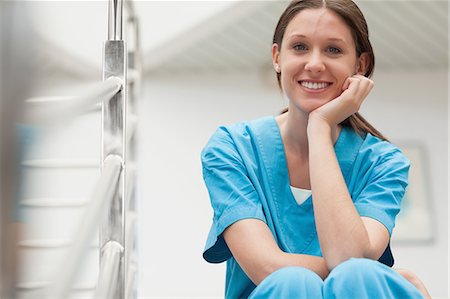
column 256, row 251
column 314, row 263
column 282, row 259
column 341, row 231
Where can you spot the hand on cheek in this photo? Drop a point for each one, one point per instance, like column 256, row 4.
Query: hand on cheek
column 346, row 84
column 355, row 90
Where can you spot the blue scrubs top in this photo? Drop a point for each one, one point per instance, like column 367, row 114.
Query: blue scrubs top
column 245, row 172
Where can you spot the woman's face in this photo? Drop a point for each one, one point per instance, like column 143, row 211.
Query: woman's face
column 318, row 54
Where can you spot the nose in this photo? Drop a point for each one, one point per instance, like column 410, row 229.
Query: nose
column 315, row 63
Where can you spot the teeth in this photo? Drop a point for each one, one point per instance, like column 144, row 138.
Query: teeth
column 314, row 85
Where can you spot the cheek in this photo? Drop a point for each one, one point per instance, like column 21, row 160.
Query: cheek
column 289, row 73
column 345, row 71
column 352, row 68
column 291, row 64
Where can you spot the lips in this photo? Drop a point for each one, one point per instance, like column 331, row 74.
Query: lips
column 314, row 85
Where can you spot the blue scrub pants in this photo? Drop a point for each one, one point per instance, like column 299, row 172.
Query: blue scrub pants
column 356, row 278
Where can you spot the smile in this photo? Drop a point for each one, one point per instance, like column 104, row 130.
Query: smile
column 314, row 85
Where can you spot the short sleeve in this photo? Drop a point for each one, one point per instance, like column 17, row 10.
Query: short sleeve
column 381, row 196
column 232, row 193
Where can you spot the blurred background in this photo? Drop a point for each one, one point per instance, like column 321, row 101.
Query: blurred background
column 204, row 64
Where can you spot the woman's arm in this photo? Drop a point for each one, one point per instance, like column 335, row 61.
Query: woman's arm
column 256, row 251
column 342, row 232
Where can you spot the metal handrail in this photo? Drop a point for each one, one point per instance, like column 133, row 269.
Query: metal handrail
column 111, row 197
column 109, row 270
column 59, row 163
column 57, row 110
column 101, row 198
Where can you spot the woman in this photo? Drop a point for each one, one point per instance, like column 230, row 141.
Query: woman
column 277, row 239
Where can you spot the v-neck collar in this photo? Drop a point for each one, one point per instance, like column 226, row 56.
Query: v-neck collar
column 346, row 148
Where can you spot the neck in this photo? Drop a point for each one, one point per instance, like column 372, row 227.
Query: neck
column 293, row 127
column 295, row 132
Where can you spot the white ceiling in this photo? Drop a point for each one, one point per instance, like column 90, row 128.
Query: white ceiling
column 72, row 33
column 211, row 36
column 405, row 34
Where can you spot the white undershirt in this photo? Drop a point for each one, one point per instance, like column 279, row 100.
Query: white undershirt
column 300, row 195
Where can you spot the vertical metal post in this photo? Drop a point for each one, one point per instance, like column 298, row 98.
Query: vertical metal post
column 114, row 136
column 115, row 12
column 134, row 64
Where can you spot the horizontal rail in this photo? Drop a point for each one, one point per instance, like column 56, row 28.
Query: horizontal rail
column 50, row 243
column 49, row 99
column 60, row 100
column 45, row 243
column 101, row 199
column 109, row 270
column 60, row 163
column 33, row 285
column 54, row 202
column 41, row 111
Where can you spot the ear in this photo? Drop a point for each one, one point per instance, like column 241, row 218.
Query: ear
column 276, row 57
column 362, row 64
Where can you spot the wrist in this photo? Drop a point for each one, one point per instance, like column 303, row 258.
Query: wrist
column 317, row 124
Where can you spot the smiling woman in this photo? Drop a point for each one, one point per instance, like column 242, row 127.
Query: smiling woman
column 334, row 243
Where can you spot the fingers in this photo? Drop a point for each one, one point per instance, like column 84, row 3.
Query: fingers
column 357, row 88
column 366, row 86
column 346, row 83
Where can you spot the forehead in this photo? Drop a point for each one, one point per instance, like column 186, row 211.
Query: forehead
column 319, row 22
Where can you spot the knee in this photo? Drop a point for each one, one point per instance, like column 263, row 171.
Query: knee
column 293, row 276
column 365, row 278
column 290, row 282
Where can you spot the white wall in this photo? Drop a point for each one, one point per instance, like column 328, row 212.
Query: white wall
column 178, row 115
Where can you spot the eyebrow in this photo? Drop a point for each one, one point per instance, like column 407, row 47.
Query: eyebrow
column 335, row 39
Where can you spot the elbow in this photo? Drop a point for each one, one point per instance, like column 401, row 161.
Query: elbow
column 259, row 272
column 360, row 247
column 262, row 272
column 333, row 260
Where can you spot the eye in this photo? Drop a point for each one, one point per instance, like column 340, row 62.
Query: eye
column 334, row 50
column 300, row 47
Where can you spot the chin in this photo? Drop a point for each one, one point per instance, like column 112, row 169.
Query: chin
column 309, row 106
column 307, row 109
column 306, row 102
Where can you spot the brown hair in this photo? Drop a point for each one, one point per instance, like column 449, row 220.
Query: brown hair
column 355, row 20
